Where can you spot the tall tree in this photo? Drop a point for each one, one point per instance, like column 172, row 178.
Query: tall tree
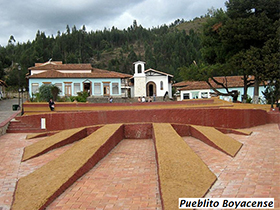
column 251, row 24
column 238, row 36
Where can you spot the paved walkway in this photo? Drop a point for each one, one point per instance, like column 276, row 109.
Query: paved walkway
column 126, row 178
column 253, row 172
column 6, row 109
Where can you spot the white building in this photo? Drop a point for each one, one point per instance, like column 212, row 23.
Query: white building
column 200, row 89
column 74, row 78
column 150, row 82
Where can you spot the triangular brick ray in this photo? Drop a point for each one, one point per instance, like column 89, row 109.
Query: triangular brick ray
column 181, row 171
column 38, row 189
column 216, row 139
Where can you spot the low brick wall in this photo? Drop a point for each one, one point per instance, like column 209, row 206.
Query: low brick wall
column 3, row 128
column 118, row 100
column 274, row 117
column 216, row 117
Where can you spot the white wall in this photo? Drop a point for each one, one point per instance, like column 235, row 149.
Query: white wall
column 157, row 80
column 195, row 93
column 250, row 92
column 77, row 80
column 139, row 86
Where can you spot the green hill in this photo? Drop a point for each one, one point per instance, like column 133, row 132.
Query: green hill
column 165, row 48
column 195, row 24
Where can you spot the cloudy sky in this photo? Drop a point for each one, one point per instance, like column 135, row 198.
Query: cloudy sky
column 23, row 18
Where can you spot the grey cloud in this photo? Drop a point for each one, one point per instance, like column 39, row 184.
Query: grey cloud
column 23, row 18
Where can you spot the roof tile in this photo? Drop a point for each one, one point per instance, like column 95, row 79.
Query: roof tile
column 52, row 70
column 231, row 81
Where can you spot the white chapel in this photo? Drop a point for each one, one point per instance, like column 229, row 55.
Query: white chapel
column 150, row 82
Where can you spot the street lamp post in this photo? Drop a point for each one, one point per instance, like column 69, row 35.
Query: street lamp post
column 19, row 70
column 22, row 111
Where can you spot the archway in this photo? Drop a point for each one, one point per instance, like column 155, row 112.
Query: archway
column 87, row 87
column 151, row 89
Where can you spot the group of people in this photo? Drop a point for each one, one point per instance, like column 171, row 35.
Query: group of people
column 110, row 99
column 143, row 99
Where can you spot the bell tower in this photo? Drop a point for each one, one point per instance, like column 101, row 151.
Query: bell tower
column 139, row 79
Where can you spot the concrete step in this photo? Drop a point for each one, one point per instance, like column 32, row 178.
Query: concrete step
column 24, row 130
column 19, row 125
column 16, row 126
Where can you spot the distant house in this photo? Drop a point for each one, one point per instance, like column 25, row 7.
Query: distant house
column 150, row 82
column 200, row 89
column 74, row 78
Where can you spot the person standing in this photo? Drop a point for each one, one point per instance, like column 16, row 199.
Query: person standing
column 165, row 96
column 51, row 104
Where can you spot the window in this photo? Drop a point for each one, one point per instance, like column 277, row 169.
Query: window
column 115, row 88
column 161, row 85
column 124, row 82
column 77, row 88
column 59, row 85
column 97, row 88
column 68, row 89
column 186, row 96
column 195, row 95
column 204, row 94
column 139, row 68
column 35, row 88
column 106, row 88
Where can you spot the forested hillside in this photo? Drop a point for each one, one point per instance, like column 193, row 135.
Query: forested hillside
column 243, row 40
column 165, row 48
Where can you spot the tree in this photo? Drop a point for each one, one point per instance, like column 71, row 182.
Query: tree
column 165, row 48
column 2, row 73
column 238, row 37
column 271, row 52
column 45, row 93
column 55, row 91
column 213, row 51
column 240, row 61
column 206, row 73
column 251, row 24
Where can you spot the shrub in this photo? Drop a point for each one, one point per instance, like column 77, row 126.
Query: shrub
column 82, row 97
column 55, row 91
column 46, row 92
column 249, row 99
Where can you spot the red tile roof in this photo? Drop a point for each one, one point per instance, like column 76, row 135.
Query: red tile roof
column 60, row 66
column 159, row 72
column 194, row 85
column 53, row 62
column 52, row 70
column 231, row 81
column 94, row 74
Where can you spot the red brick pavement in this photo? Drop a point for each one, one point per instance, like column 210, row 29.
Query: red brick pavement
column 10, row 156
column 126, row 178
column 253, row 173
